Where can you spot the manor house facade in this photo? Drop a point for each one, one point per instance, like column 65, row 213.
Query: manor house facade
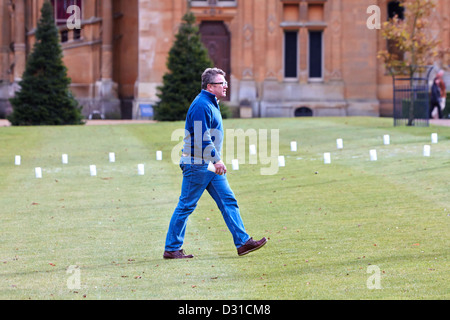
column 283, row 58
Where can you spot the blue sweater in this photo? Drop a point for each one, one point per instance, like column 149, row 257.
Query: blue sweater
column 203, row 130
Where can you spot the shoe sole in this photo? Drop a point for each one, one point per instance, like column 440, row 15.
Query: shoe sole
column 171, row 258
column 251, row 250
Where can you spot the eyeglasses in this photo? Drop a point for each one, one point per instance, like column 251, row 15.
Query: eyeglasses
column 225, row 84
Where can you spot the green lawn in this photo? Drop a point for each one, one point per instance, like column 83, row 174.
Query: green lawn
column 328, row 224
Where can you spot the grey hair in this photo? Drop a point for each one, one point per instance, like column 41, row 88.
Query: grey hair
column 209, row 75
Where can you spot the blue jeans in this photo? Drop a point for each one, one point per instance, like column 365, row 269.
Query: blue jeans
column 197, row 178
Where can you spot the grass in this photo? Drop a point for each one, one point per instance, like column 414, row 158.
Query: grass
column 326, row 223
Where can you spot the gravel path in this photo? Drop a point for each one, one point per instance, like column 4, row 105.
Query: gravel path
column 5, row 123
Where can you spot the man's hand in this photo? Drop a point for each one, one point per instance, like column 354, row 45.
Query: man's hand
column 220, row 167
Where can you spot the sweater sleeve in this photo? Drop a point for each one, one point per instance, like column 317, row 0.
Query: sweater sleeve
column 209, row 137
column 203, row 120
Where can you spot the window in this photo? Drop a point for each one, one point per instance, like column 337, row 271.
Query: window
column 60, row 10
column 394, row 8
column 315, row 54
column 64, row 36
column 211, row 3
column 290, row 54
column 76, row 34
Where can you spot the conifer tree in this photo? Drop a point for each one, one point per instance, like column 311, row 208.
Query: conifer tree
column 44, row 97
column 187, row 60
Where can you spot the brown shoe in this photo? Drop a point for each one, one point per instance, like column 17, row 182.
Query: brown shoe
column 251, row 245
column 179, row 254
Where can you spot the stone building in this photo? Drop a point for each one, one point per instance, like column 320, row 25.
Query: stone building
column 283, row 58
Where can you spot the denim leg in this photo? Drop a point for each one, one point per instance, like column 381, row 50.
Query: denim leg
column 192, row 188
column 220, row 191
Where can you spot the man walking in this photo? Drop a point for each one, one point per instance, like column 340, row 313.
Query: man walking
column 435, row 98
column 202, row 145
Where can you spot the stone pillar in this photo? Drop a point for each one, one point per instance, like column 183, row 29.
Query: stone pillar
column 248, row 104
column 156, row 33
column 336, row 41
column 19, row 40
column 4, row 34
column 107, row 40
column 4, row 42
column 5, row 31
column 106, row 88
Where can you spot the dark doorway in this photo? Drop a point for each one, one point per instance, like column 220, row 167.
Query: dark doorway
column 303, row 112
column 216, row 38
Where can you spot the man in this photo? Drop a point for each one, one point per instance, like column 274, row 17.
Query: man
column 202, row 145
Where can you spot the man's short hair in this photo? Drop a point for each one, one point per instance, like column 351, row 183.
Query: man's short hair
column 209, row 76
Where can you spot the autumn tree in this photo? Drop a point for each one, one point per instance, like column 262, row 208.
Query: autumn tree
column 414, row 43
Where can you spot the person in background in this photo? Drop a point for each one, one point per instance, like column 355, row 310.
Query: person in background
column 440, row 75
column 435, row 98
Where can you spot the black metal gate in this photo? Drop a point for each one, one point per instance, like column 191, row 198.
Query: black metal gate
column 411, row 100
